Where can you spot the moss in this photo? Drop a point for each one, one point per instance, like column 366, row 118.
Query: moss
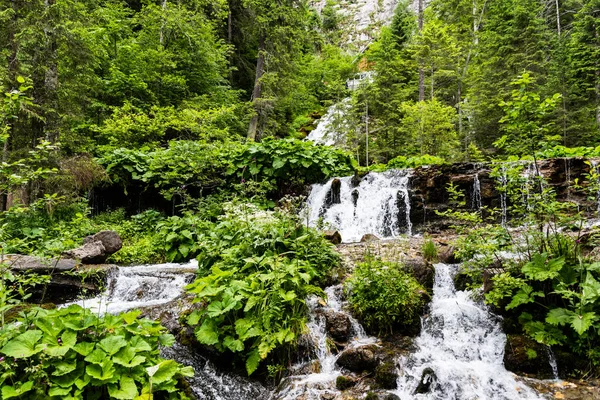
column 371, row 396
column 386, row 376
column 344, row 382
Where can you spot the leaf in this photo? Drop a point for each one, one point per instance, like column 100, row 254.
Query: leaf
column 64, row 367
column 541, row 268
column 24, row 345
column 233, row 344
column 102, row 372
column 58, row 348
column 581, row 323
column 252, row 361
column 126, row 389
column 127, row 357
column 84, row 348
column 131, row 316
column 166, row 370
column 59, row 391
column 112, row 344
column 96, row 357
column 559, row 316
column 208, row 333
column 9, row 392
column 166, row 339
column 525, row 295
column 278, row 163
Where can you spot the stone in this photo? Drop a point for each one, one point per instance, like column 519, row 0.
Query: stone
column 371, row 396
column 344, row 382
column 369, row 238
column 334, row 195
column 427, row 379
column 21, row 262
column 523, row 355
column 358, row 359
column 386, row 376
column 333, row 236
column 338, row 325
column 110, row 240
column 391, row 396
column 423, row 272
column 89, row 253
column 447, row 256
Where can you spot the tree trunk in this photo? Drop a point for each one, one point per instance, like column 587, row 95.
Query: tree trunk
column 421, row 68
column 162, row 26
column 51, row 77
column 257, row 92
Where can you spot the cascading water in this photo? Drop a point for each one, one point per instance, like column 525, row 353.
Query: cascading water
column 503, row 203
column 476, row 200
column 322, row 382
column 596, row 167
column 379, row 205
column 142, row 286
column 462, row 347
column 333, row 125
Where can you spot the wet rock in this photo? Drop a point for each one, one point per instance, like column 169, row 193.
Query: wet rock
column 358, row 359
column 110, row 240
column 447, row 256
column 333, row 236
column 423, row 272
column 334, row 196
column 328, row 396
column 386, row 376
column 369, row 238
column 344, row 382
column 37, row 264
column 338, row 325
column 391, row 396
column 371, row 396
column 525, row 356
column 355, row 181
column 427, row 379
column 89, row 253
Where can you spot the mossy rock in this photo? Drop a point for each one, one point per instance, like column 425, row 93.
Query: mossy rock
column 344, row 382
column 386, row 376
column 371, row 396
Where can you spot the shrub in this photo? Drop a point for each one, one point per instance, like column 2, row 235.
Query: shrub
column 256, row 268
column 430, row 252
column 384, row 296
column 72, row 353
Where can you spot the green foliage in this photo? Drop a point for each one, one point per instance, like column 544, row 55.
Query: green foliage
column 256, row 269
column 401, row 162
column 384, row 296
column 290, row 161
column 430, row 252
column 72, row 353
column 180, row 236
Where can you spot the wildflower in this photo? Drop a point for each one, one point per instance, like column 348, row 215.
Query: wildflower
column 1, row 359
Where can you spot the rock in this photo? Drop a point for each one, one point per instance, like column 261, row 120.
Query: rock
column 327, row 396
column 369, row 238
column 427, row 379
column 371, row 396
column 358, row 359
column 525, row 356
column 391, row 396
column 447, row 256
column 386, row 376
column 333, row 236
column 344, row 382
column 333, row 196
column 37, row 264
column 423, row 272
column 110, row 240
column 89, row 253
column 338, row 325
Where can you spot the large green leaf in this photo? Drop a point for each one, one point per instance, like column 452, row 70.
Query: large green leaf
column 208, row 333
column 581, row 323
column 112, row 344
column 127, row 357
column 541, row 268
column 102, row 372
column 64, row 367
column 252, row 361
column 166, row 370
column 24, row 345
column 125, row 389
column 8, row 392
column 559, row 316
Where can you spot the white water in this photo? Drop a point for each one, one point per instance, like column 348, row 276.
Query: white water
column 464, row 345
column 322, row 382
column 382, row 207
column 476, row 200
column 503, row 203
column 141, row 286
column 595, row 166
column 332, row 127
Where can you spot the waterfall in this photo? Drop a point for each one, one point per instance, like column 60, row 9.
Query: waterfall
column 141, row 286
column 332, row 127
column 461, row 348
column 553, row 363
column 476, row 200
column 594, row 165
column 379, row 205
column 321, row 383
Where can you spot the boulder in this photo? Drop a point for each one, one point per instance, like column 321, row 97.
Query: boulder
column 369, row 238
column 386, row 376
column 526, row 356
column 358, row 359
column 344, row 382
column 423, row 272
column 20, row 262
column 447, row 255
column 427, row 379
column 333, row 236
column 338, row 325
column 110, row 240
column 391, row 396
column 89, row 253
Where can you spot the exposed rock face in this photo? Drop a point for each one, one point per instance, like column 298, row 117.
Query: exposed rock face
column 333, row 236
column 428, row 188
column 37, row 264
column 386, row 376
column 338, row 325
column 427, row 379
column 423, row 272
column 96, row 248
column 358, row 359
column 525, row 356
column 369, row 238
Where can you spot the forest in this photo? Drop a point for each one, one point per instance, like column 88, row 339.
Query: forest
column 185, row 127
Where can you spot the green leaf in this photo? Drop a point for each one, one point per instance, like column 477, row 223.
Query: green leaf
column 59, row 391
column 131, row 316
column 24, row 345
column 96, row 357
column 112, row 344
column 166, row 370
column 208, row 333
column 252, row 361
column 278, row 163
column 233, row 344
column 64, row 367
column 541, row 268
column 127, row 357
column 8, row 392
column 581, row 323
column 166, row 339
column 84, row 348
column 102, row 372
column 126, row 389
column 559, row 316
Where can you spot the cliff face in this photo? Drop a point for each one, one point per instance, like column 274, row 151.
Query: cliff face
column 428, row 188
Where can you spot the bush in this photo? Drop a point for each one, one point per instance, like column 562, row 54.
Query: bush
column 385, row 297
column 256, row 269
column 72, row 353
column 430, row 252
